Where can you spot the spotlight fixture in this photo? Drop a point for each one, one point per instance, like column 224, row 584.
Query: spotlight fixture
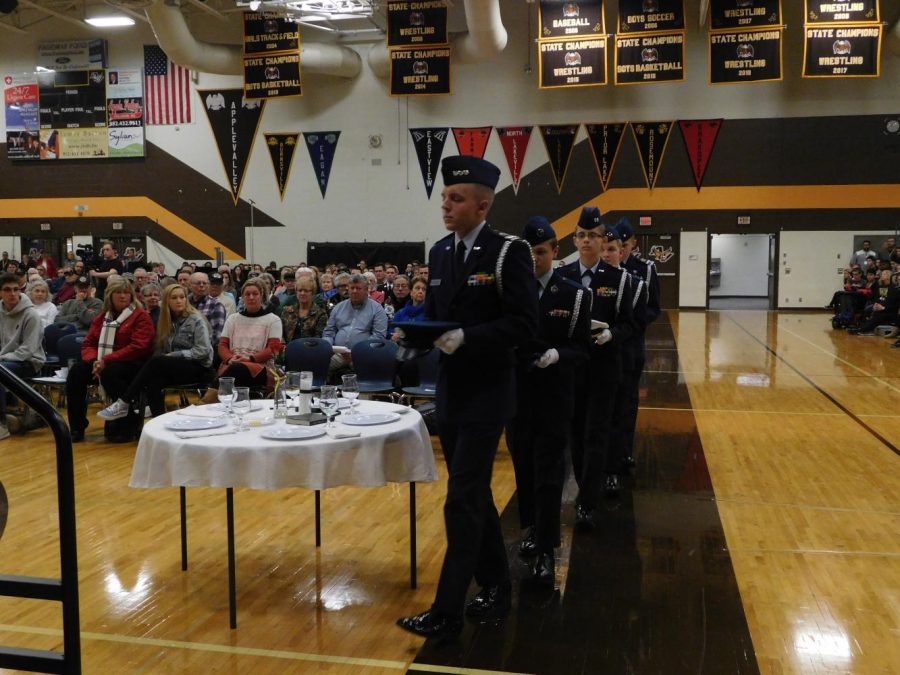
column 892, row 126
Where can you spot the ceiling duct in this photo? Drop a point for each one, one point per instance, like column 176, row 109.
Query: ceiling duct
column 177, row 41
column 892, row 38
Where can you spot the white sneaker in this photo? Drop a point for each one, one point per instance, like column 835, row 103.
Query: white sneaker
column 4, row 432
column 115, row 411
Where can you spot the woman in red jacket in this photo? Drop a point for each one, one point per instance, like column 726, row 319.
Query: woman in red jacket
column 118, row 343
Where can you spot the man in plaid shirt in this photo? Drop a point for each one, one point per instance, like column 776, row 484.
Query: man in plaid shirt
column 212, row 309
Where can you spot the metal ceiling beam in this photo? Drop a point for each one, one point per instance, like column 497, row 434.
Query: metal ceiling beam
column 54, row 13
column 14, row 29
column 199, row 4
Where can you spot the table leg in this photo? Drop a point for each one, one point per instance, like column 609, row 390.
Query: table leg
column 318, row 519
column 183, row 499
column 412, row 534
column 232, row 595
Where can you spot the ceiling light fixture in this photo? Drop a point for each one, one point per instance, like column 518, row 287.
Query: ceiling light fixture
column 254, row 5
column 110, row 21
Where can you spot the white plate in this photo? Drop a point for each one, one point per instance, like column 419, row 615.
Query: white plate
column 196, row 423
column 254, row 406
column 293, row 432
column 364, row 420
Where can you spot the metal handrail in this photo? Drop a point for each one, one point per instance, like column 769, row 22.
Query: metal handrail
column 64, row 589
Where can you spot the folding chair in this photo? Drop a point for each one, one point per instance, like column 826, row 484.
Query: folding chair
column 313, row 354
column 375, row 364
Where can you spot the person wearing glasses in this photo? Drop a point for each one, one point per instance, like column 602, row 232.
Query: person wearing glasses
column 303, row 317
column 342, row 286
column 597, row 388
column 21, row 348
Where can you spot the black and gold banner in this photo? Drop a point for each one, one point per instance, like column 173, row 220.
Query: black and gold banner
column 745, row 56
column 605, row 139
column 266, row 33
column 559, row 19
column 281, row 152
column 429, row 144
column 559, row 139
column 417, row 72
column 572, row 63
column 650, row 15
column 416, row 23
column 649, row 58
column 234, row 121
column 272, row 76
column 857, row 11
column 651, row 139
column 842, row 51
column 732, row 14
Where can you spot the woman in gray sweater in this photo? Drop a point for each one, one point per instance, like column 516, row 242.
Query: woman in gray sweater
column 183, row 355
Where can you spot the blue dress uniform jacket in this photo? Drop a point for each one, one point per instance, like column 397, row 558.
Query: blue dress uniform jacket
column 646, row 270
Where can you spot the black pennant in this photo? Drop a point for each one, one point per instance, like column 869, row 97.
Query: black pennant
column 651, row 139
column 606, row 139
column 559, row 139
column 281, row 152
column 429, row 145
column 234, row 121
column 321, row 146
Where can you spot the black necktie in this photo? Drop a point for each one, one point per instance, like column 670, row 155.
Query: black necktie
column 589, row 275
column 459, row 260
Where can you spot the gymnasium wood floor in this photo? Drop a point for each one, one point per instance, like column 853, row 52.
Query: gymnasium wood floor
column 760, row 533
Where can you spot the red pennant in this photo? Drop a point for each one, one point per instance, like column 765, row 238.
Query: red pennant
column 515, row 144
column 472, row 140
column 699, row 138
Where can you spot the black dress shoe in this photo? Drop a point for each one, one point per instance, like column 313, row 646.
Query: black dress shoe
column 584, row 518
column 611, row 485
column 543, row 571
column 77, row 436
column 528, row 547
column 490, row 603
column 431, row 625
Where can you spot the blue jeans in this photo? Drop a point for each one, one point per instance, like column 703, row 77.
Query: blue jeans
column 19, row 368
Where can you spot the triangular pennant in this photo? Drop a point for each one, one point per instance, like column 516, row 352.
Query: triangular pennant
column 699, row 138
column 281, row 152
column 472, row 140
column 651, row 139
column 515, row 144
column 559, row 139
column 321, row 146
column 234, row 121
column 606, row 139
column 429, row 147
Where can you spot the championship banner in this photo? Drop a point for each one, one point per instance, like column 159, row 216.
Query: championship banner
column 572, row 63
column 559, row 139
column 650, row 15
column 234, row 121
column 514, row 141
column 858, row 11
column 651, row 139
column 472, row 140
column 649, row 58
column 559, row 19
column 429, row 145
column 272, row 76
column 266, row 33
column 734, row 14
column 321, row 146
column 605, row 140
column 746, row 56
column 699, row 138
column 416, row 23
column 281, row 152
column 20, row 102
column 420, row 71
column 842, row 51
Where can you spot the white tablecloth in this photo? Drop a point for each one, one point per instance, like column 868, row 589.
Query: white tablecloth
column 398, row 452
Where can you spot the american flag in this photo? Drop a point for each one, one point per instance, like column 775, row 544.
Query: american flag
column 167, row 89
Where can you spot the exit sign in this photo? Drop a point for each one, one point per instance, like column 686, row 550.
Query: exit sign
column 45, row 227
column 645, row 221
column 743, row 220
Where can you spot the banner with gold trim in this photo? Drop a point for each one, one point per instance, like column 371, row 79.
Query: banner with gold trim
column 429, row 144
column 566, row 19
column 514, row 141
column 651, row 139
column 472, row 140
column 605, row 141
column 740, row 14
column 412, row 24
column 699, row 138
column 281, row 152
column 559, row 139
column 842, row 50
column 642, row 59
column 829, row 11
column 650, row 16
column 572, row 63
column 745, row 56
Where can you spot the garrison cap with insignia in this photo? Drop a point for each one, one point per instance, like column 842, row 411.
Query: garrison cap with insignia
column 613, row 233
column 538, row 230
column 468, row 169
column 589, row 218
column 625, row 229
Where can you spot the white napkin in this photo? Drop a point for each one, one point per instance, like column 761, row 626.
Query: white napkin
column 202, row 433
column 365, row 409
column 201, row 411
column 342, row 433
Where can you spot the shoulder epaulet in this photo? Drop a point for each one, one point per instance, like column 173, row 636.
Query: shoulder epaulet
column 572, row 284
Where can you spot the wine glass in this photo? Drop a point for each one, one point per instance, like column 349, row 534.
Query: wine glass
column 241, row 406
column 292, row 388
column 328, row 402
column 350, row 390
column 226, row 392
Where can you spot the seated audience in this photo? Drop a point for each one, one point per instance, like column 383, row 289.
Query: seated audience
column 208, row 306
column 374, row 293
column 67, row 290
column 342, row 288
column 415, row 310
column 303, row 318
column 39, row 293
column 83, row 308
column 357, row 318
column 150, row 294
column 217, row 291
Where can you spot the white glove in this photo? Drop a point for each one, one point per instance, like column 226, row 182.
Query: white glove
column 603, row 337
column 399, row 333
column 450, row 341
column 598, row 325
column 548, row 358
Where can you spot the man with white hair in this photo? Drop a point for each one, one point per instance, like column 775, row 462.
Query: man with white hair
column 355, row 319
column 208, row 306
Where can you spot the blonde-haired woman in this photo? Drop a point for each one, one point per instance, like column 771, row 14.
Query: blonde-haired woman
column 183, row 356
column 39, row 294
column 119, row 342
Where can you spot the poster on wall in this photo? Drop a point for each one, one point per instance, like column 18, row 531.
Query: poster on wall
column 281, row 152
column 828, row 11
column 63, row 55
column 514, row 141
column 429, row 145
column 559, row 139
column 125, row 112
column 699, row 138
column 417, row 72
column 649, row 58
column 562, row 18
column 842, row 51
column 20, row 105
column 650, row 15
column 605, row 141
column 416, row 23
column 745, row 56
column 733, row 14
column 234, row 121
column 572, row 63
column 266, row 33
column 651, row 138
column 322, row 146
column 472, row 140
column 272, row 76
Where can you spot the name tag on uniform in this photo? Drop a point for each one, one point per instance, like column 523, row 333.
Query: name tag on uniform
column 434, row 282
column 482, row 280
column 607, row 291
column 559, row 313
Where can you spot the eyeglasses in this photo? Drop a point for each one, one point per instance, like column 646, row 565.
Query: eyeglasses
column 592, row 236
column 10, row 289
